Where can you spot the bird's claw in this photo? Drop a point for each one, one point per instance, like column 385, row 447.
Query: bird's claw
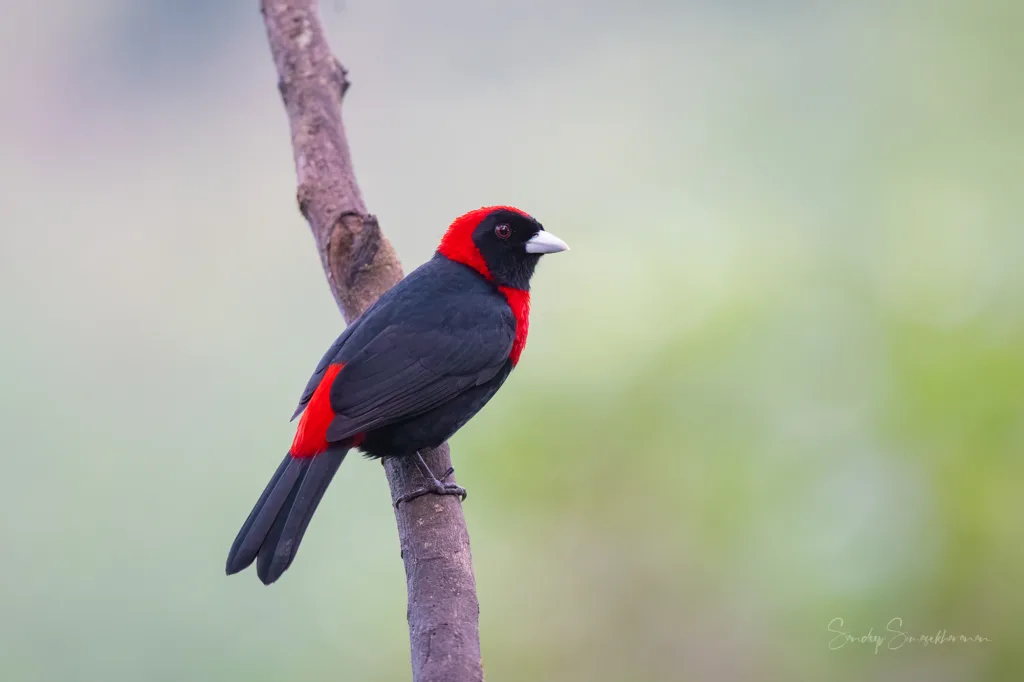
column 434, row 487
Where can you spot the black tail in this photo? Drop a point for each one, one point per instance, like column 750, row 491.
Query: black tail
column 276, row 524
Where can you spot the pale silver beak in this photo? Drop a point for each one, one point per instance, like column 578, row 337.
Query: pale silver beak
column 545, row 242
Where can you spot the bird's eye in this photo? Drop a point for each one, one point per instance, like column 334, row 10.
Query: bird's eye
column 503, row 231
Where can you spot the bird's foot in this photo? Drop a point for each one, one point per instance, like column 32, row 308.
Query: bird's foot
column 432, row 484
column 433, row 487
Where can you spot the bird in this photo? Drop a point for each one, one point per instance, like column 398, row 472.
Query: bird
column 405, row 375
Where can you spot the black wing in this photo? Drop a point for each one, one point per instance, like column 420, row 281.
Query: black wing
column 334, row 353
column 408, row 370
column 366, row 326
column 318, row 373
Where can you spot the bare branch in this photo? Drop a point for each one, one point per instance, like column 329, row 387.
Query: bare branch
column 360, row 265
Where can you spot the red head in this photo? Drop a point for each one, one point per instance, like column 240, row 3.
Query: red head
column 502, row 243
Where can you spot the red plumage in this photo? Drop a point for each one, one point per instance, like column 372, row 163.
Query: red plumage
column 519, row 302
column 311, row 433
column 457, row 245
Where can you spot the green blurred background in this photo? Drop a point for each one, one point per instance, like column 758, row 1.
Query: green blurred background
column 779, row 380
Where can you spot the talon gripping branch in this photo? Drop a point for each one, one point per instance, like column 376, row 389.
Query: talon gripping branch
column 405, row 375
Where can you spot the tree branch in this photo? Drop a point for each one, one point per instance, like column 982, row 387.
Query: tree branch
column 360, row 265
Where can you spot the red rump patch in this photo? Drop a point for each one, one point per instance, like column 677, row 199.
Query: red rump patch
column 311, row 434
column 519, row 301
column 457, row 243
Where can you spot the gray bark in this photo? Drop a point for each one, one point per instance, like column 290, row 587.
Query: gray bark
column 360, row 265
